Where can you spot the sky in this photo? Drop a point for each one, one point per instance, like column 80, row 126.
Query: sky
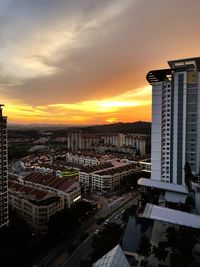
column 85, row 61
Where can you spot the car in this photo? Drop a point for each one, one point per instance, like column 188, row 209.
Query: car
column 96, row 231
column 106, row 222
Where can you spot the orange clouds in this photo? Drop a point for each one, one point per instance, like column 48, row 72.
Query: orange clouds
column 119, row 108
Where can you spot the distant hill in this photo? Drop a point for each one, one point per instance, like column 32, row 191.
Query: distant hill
column 120, row 127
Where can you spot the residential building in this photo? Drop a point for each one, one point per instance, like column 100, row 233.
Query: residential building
column 175, row 137
column 105, row 177
column 68, row 189
column 110, row 179
column 101, row 142
column 33, row 205
column 4, row 220
column 87, row 158
column 85, row 174
column 74, row 139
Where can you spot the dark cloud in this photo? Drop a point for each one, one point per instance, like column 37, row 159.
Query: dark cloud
column 108, row 48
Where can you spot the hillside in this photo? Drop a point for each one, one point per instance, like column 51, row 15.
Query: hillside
column 120, row 127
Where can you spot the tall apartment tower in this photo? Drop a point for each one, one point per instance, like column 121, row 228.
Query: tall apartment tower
column 74, row 139
column 175, row 137
column 3, row 171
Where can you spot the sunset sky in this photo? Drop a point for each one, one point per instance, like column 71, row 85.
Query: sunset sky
column 85, row 61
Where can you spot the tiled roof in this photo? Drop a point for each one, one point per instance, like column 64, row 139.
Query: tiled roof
column 49, row 181
column 31, row 193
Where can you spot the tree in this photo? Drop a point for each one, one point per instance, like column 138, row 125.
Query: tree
column 105, row 240
column 181, row 242
column 189, row 177
column 172, row 237
column 138, row 154
column 144, row 248
column 160, row 251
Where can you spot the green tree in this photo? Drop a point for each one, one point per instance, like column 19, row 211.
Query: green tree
column 160, row 251
column 144, row 248
column 107, row 239
column 189, row 177
column 138, row 154
column 172, row 237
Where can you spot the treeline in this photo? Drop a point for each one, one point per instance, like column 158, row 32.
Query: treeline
column 120, row 127
column 23, row 133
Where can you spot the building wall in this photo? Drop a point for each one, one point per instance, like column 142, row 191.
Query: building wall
column 176, row 122
column 4, row 220
column 156, row 129
column 37, row 216
column 72, row 193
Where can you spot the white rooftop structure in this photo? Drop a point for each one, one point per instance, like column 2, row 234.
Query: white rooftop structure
column 163, row 185
column 175, row 197
column 114, row 258
column 171, row 216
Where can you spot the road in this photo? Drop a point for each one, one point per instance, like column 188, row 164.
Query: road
column 53, row 256
column 85, row 248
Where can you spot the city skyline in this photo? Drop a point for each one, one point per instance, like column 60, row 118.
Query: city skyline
column 84, row 62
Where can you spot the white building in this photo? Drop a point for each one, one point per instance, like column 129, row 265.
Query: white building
column 105, row 179
column 74, row 139
column 33, row 205
column 4, row 220
column 175, row 120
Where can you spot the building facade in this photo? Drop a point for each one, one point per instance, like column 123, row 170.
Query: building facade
column 101, row 142
column 175, row 136
column 4, row 220
column 105, row 179
column 74, row 140
column 33, row 205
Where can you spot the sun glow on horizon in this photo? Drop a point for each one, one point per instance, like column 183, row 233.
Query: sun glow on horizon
column 113, row 109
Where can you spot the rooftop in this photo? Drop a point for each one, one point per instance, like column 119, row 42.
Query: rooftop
column 162, row 185
column 171, row 216
column 28, row 192
column 114, row 258
column 50, row 181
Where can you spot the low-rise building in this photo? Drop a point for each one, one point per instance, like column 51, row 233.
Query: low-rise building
column 69, row 189
column 34, row 205
column 85, row 174
column 105, row 177
column 110, row 179
column 87, row 159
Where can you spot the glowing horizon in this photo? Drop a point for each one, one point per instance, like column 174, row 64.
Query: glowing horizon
column 107, row 110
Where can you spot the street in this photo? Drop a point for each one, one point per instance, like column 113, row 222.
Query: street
column 85, row 248
column 55, row 256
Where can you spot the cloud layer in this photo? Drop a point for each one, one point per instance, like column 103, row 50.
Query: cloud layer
column 71, row 58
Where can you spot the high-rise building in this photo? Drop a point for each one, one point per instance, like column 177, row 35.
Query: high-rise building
column 3, row 171
column 74, row 139
column 175, row 136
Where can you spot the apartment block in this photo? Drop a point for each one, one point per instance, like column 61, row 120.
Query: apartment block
column 4, row 220
column 175, row 120
column 33, row 205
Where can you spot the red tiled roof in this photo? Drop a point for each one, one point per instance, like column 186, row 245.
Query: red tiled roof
column 27, row 190
column 49, row 180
